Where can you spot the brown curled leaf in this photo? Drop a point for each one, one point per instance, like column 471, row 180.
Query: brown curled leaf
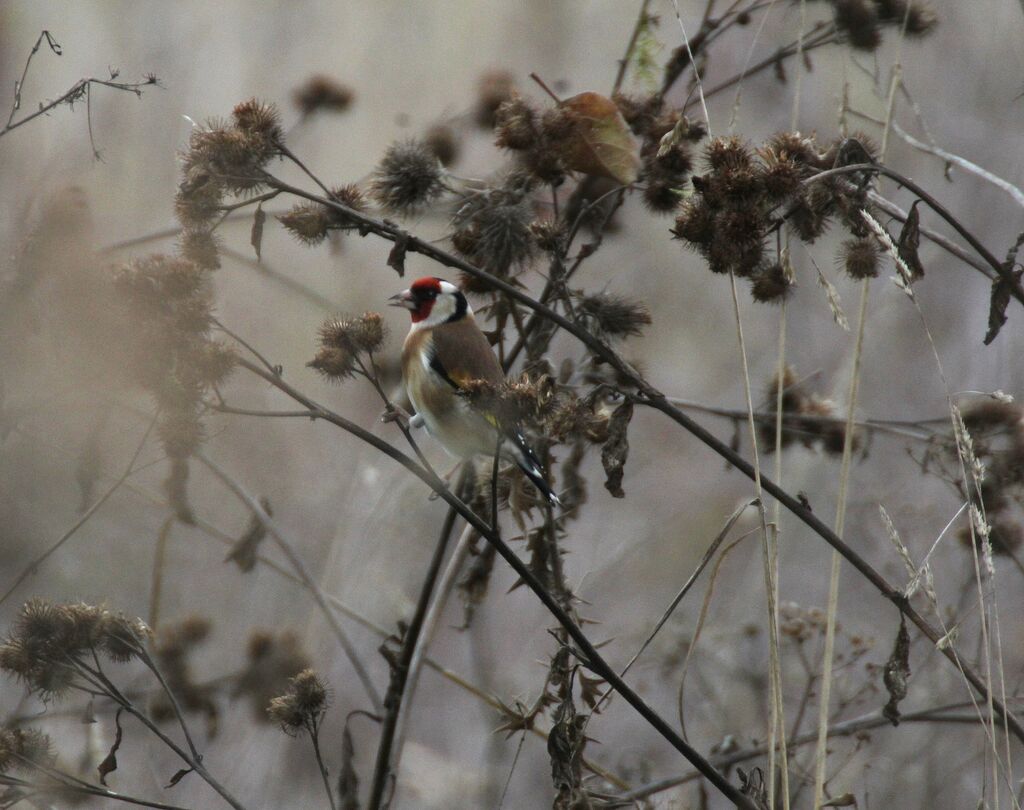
column 896, row 673
column 396, row 258
column 109, row 763
column 910, row 241
column 256, row 234
column 616, row 449
column 600, row 142
column 998, row 303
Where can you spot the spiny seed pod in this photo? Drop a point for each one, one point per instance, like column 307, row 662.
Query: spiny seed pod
column 202, row 247
column 321, row 93
column 549, row 234
column 516, row 124
column 796, row 147
column 666, row 175
column 342, row 339
column 614, row 314
column 350, row 196
column 860, row 258
column 494, row 89
column 780, row 175
column 492, row 229
column 662, row 192
column 858, row 21
column 640, row 112
column 302, row 705
column 809, row 215
column 260, row 121
column 695, row 222
column 771, row 284
column 308, row 222
column 741, row 186
column 408, row 178
column 728, row 153
column 361, row 334
column 741, row 225
column 23, row 748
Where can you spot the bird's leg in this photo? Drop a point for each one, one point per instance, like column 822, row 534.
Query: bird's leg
column 394, row 413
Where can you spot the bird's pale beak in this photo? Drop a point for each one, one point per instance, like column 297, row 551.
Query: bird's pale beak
column 403, row 299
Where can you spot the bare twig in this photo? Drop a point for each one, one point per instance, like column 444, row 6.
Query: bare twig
column 641, row 21
column 76, row 92
column 939, row 714
column 300, row 568
column 33, row 566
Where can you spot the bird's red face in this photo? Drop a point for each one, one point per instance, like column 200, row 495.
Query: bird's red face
column 420, row 298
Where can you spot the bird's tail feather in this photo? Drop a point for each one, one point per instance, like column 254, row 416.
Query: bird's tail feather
column 530, row 465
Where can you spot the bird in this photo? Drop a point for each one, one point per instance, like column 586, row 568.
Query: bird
column 444, row 352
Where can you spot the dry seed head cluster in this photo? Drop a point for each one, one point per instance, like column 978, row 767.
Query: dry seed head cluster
column 747, row 195
column 408, row 178
column 311, row 222
column 47, row 638
column 492, row 229
column 226, row 157
column 342, row 340
column 861, row 21
column 302, row 705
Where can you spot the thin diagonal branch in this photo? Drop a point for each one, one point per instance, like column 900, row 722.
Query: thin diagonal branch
column 653, row 398
column 586, row 650
column 300, row 568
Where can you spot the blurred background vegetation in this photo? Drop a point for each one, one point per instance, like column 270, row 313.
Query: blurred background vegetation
column 365, row 527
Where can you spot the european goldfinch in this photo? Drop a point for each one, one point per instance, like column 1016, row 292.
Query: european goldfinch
column 444, row 351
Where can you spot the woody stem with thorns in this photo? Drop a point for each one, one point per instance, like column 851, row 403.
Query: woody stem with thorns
column 653, row 398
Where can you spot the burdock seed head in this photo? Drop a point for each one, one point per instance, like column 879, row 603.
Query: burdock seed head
column 861, row 257
column 302, row 705
column 408, row 177
column 342, row 340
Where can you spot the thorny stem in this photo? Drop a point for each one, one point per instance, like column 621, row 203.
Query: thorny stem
column 587, row 652
column 653, row 398
column 336, row 604
column 314, row 736
column 400, row 670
